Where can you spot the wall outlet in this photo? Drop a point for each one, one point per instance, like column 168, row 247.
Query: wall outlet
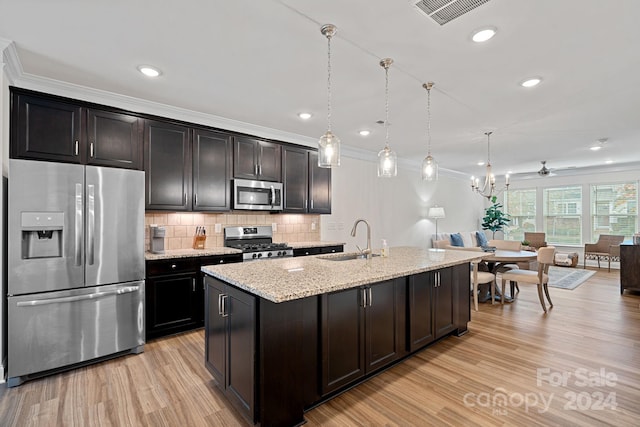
column 313, row 226
column 274, row 227
column 218, row 228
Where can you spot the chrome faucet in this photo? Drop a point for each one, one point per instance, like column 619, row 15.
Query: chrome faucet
column 367, row 251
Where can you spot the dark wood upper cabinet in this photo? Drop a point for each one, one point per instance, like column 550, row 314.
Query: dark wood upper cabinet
column 307, row 187
column 256, row 159
column 45, row 127
column 319, row 186
column 295, row 179
column 211, row 171
column 113, row 139
column 167, row 165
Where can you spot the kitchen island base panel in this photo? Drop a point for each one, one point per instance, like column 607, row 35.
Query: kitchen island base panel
column 288, row 348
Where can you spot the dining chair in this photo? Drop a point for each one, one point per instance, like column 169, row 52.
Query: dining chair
column 508, row 245
column 540, row 277
column 478, row 277
column 535, row 239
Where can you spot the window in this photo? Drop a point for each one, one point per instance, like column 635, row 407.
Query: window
column 521, row 206
column 614, row 209
column 562, row 212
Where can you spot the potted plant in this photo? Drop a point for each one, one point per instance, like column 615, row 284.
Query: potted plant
column 494, row 219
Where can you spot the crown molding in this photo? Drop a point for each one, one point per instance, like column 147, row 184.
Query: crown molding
column 10, row 61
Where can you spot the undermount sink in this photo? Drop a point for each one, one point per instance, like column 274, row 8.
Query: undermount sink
column 345, row 257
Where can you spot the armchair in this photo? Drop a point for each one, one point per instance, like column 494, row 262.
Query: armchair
column 607, row 247
column 535, row 239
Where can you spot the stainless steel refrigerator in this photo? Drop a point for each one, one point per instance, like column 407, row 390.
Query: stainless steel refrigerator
column 76, row 265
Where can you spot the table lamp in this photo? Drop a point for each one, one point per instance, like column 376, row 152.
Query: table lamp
column 436, row 213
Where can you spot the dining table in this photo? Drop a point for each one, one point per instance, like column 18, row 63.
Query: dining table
column 499, row 258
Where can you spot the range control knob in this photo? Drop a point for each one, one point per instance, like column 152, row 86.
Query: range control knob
column 260, row 255
column 254, row 256
column 269, row 255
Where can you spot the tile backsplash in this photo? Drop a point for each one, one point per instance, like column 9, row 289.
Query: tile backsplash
column 181, row 227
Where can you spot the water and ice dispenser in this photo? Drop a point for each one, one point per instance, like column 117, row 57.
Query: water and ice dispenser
column 42, row 234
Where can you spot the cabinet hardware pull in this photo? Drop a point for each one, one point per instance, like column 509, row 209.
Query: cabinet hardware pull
column 195, row 199
column 255, row 169
column 185, row 198
column 259, row 169
column 225, row 312
column 173, row 266
column 364, row 297
column 193, row 284
column 311, row 203
column 91, row 150
column 220, row 304
column 76, row 149
column 221, row 261
column 370, row 298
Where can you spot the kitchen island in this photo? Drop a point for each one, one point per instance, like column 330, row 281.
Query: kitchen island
column 282, row 336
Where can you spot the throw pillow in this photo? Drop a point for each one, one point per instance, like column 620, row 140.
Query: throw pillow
column 456, row 240
column 482, row 239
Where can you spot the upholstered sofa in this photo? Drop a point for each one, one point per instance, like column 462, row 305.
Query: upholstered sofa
column 464, row 240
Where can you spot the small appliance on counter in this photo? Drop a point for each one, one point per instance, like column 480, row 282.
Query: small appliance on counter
column 636, row 239
column 157, row 239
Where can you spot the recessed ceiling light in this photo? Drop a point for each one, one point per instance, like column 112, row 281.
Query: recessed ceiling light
column 364, row 132
column 480, row 163
column 609, row 162
column 304, row 116
column 595, row 148
column 534, row 81
column 149, row 71
column 483, row 34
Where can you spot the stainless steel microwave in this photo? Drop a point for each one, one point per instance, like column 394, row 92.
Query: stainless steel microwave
column 257, row 195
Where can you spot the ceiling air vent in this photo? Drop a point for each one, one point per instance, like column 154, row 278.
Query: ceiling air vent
column 443, row 11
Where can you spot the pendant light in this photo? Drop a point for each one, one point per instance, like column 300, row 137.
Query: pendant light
column 387, row 159
column 329, row 144
column 429, row 165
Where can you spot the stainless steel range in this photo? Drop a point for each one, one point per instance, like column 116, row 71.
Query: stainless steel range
column 255, row 243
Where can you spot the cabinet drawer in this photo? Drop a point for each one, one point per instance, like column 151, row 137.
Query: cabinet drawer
column 173, row 265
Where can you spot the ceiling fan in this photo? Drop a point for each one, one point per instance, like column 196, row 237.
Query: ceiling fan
column 544, row 170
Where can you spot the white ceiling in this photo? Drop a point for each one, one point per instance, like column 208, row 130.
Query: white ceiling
column 261, row 62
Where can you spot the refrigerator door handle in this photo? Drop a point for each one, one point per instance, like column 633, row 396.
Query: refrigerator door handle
column 91, row 223
column 78, row 225
column 125, row 290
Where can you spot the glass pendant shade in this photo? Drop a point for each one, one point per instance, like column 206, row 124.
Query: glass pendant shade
column 429, row 169
column 328, row 150
column 387, row 163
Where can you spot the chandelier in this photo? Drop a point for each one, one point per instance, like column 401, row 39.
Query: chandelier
column 387, row 159
column 429, row 164
column 488, row 189
column 329, row 144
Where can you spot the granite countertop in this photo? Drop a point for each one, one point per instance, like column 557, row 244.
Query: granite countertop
column 191, row 253
column 286, row 279
column 316, row 244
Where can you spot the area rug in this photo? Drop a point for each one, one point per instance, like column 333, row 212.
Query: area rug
column 568, row 278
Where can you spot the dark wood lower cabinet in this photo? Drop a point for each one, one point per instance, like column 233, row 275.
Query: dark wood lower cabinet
column 174, row 293
column 629, row 267
column 274, row 361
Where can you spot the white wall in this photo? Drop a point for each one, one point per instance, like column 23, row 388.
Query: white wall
column 4, row 160
column 397, row 207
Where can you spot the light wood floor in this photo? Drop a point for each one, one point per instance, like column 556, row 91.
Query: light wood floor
column 506, row 371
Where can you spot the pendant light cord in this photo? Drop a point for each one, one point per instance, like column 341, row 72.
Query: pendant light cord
column 386, row 106
column 329, row 82
column 488, row 148
column 429, row 119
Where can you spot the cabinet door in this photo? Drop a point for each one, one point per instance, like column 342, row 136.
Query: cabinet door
column 443, row 302
column 420, row 311
column 215, row 348
column 45, row 129
column 114, row 139
column 167, row 166
column 270, row 160
column 383, row 323
column 211, row 171
column 171, row 304
column 239, row 308
column 294, row 179
column 319, row 186
column 343, row 359
column 245, row 158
